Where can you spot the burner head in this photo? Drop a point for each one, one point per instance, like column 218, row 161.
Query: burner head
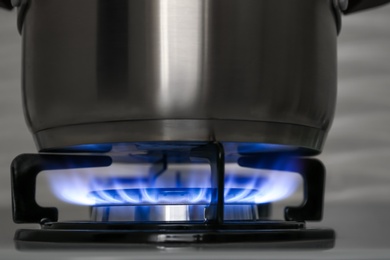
column 173, row 204
column 175, row 213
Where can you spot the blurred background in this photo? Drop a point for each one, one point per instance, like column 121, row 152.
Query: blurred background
column 357, row 152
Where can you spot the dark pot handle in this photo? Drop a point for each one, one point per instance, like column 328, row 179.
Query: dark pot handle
column 352, row 6
column 6, row 4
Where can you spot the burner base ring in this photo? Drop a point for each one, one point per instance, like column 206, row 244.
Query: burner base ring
column 29, row 239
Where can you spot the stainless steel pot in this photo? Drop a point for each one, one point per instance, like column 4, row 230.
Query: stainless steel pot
column 104, row 71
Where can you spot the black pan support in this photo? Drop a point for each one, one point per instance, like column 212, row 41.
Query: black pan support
column 24, row 170
column 215, row 155
column 26, row 167
column 313, row 175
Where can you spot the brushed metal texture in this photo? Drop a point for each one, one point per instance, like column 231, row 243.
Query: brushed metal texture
column 230, row 61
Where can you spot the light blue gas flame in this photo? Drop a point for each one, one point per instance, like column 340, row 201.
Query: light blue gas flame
column 129, row 184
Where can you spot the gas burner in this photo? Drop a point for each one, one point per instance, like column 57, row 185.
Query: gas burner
column 172, row 216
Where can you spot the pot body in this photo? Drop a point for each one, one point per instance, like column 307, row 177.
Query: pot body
column 103, row 71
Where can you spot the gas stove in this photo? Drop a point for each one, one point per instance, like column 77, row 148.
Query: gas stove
column 135, row 121
column 164, row 195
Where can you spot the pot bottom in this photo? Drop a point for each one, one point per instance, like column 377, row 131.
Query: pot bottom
column 305, row 140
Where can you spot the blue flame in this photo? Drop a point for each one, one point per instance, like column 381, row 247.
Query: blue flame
column 167, row 196
column 87, row 148
column 248, row 148
column 130, row 184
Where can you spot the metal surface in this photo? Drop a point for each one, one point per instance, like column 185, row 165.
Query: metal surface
column 88, row 236
column 159, row 70
column 313, row 174
column 214, row 153
column 172, row 213
column 6, row 4
column 356, row 155
column 24, row 170
column 358, row 5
